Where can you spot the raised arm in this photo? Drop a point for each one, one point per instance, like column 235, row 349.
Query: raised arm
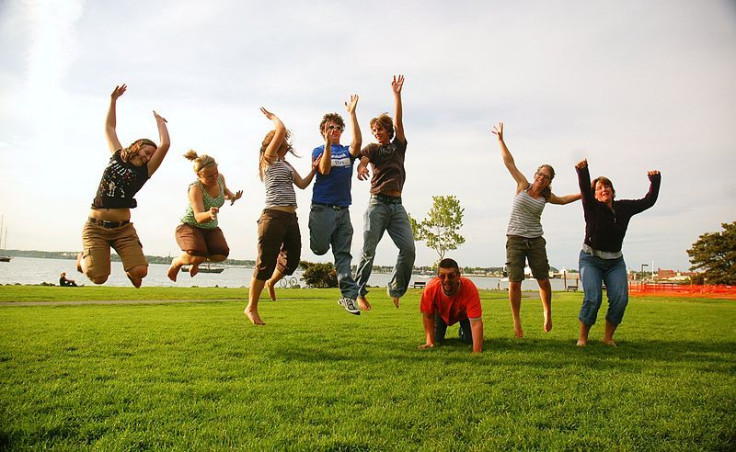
column 228, row 194
column 325, row 164
column 655, row 180
column 271, row 153
column 508, row 159
column 586, row 192
column 354, row 126
column 396, row 85
column 163, row 147
column 111, row 120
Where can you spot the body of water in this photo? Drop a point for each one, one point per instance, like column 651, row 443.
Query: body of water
column 28, row 270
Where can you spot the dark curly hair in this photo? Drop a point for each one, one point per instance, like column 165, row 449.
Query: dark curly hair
column 331, row 117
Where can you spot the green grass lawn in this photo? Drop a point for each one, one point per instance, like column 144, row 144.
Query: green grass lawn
column 195, row 376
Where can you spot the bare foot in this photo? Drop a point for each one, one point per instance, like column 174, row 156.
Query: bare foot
column 173, row 271
column 609, row 342
column 79, row 263
column 135, row 280
column 518, row 330
column 547, row 323
column 193, row 270
column 254, row 318
column 582, row 343
column 271, row 290
column 363, row 304
column 396, row 302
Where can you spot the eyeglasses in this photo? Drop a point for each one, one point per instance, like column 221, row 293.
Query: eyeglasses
column 335, row 127
column 544, row 176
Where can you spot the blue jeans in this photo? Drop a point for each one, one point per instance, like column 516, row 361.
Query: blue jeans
column 330, row 226
column 593, row 270
column 465, row 333
column 379, row 218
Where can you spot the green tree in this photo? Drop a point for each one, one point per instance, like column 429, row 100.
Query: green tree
column 715, row 254
column 441, row 228
column 319, row 276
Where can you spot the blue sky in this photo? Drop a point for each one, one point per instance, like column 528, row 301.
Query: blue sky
column 630, row 85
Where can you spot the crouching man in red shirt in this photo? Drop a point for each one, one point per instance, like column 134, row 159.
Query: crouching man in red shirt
column 448, row 299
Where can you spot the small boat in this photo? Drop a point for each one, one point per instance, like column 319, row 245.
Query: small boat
column 5, row 258
column 205, row 269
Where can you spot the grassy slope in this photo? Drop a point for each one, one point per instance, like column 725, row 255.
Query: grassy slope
column 194, row 375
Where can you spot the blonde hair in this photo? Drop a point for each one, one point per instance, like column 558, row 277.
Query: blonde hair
column 132, row 150
column 200, row 161
column 264, row 145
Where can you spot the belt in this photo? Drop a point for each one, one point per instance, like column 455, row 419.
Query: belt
column 107, row 224
column 330, row 206
column 387, row 199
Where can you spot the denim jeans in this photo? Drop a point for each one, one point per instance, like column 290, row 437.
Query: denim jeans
column 379, row 218
column 331, row 227
column 593, row 270
column 440, row 328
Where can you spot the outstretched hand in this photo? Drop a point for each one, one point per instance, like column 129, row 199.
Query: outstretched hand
column 118, row 91
column 267, row 113
column 238, row 194
column 582, row 164
column 498, row 131
column 328, row 135
column 315, row 162
column 158, row 117
column 363, row 173
column 350, row 105
column 397, row 84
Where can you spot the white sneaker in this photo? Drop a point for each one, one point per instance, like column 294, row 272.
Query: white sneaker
column 349, row 305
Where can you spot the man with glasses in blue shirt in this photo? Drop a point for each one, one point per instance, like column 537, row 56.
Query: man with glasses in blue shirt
column 329, row 216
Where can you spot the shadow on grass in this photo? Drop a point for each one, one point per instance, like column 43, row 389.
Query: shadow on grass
column 718, row 357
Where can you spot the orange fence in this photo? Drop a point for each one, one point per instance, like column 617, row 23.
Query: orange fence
column 639, row 289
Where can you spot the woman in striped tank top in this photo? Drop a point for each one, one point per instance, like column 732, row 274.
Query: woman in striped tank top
column 524, row 233
column 279, row 238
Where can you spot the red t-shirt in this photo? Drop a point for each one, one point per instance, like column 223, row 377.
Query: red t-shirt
column 464, row 305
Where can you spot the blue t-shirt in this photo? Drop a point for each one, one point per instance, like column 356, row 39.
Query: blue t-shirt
column 334, row 188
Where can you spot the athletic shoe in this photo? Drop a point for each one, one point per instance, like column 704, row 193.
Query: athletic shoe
column 349, row 305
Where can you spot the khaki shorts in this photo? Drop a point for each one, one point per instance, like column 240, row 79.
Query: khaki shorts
column 201, row 242
column 519, row 250
column 96, row 242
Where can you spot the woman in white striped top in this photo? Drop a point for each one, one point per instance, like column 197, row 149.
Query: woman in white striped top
column 279, row 238
column 524, row 234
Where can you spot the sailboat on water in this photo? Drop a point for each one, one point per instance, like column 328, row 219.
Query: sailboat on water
column 3, row 231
